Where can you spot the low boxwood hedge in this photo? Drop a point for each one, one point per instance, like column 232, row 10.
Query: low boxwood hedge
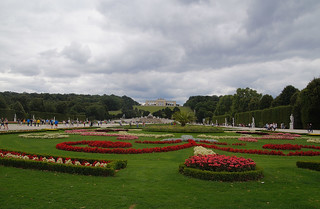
column 221, row 176
column 313, row 165
column 109, row 170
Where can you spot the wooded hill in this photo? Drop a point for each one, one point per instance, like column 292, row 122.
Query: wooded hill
column 63, row 106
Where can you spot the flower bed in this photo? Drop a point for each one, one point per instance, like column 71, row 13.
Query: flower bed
column 44, row 135
column 127, row 137
column 69, row 146
column 159, row 142
column 282, row 146
column 220, row 163
column 60, row 164
column 248, row 139
column 313, row 140
column 220, row 168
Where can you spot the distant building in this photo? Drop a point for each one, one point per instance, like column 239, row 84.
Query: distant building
column 160, row 102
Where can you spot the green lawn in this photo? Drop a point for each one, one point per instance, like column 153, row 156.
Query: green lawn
column 153, row 181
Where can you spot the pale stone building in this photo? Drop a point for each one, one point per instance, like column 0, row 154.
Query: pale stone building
column 160, row 102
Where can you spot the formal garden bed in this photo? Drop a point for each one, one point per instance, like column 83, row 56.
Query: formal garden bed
column 276, row 174
column 60, row 164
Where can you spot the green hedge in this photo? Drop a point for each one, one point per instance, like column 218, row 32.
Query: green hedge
column 58, row 116
column 73, row 169
column 221, row 119
column 277, row 115
column 309, row 165
column 183, row 129
column 221, row 176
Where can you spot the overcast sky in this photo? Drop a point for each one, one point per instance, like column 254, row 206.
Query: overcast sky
column 149, row 49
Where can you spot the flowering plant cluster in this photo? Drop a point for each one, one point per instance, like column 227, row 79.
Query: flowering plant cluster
column 199, row 150
column 108, row 144
column 289, row 146
column 313, row 140
column 248, row 139
column 220, row 163
column 111, row 130
column 76, row 131
column 159, row 142
column 58, row 160
column 282, row 146
column 219, row 137
column 44, row 136
column 127, row 137
column 264, row 152
column 69, row 146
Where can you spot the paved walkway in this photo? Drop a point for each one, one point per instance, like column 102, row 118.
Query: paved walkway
column 25, row 127
column 299, row 131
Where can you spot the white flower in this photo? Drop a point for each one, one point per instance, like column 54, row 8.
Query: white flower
column 77, row 163
column 25, row 157
column 59, row 160
column 199, row 150
column 68, row 162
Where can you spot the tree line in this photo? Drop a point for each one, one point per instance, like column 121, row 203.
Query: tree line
column 305, row 103
column 90, row 106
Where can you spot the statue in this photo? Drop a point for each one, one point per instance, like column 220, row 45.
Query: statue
column 291, row 121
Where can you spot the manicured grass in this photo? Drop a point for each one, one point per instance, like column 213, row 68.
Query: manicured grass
column 153, row 181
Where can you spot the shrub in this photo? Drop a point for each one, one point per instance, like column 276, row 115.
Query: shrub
column 309, row 165
column 221, row 176
column 33, row 161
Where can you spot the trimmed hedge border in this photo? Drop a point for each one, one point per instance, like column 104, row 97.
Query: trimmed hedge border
column 312, row 165
column 221, row 176
column 64, row 168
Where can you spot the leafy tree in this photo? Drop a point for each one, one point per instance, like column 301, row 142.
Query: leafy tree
column 285, row 97
column 3, row 104
column 18, row 108
column 265, row 101
column 224, row 105
column 36, row 104
column 245, row 100
column 184, row 117
column 309, row 102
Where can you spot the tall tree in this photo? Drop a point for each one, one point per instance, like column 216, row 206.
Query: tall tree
column 285, row 96
column 309, row 99
column 265, row 101
column 245, row 100
column 224, row 105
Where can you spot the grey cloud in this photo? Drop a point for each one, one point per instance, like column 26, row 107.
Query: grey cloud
column 77, row 52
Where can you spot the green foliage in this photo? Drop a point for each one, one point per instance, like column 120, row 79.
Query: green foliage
column 285, row 97
column 251, row 175
column 72, row 169
column 182, row 129
column 221, row 119
column 265, row 102
column 277, row 115
column 312, row 165
column 245, row 100
column 184, row 117
column 92, row 106
column 224, row 105
column 309, row 104
column 204, row 106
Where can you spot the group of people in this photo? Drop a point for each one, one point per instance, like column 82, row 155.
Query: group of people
column 4, row 123
column 271, row 126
